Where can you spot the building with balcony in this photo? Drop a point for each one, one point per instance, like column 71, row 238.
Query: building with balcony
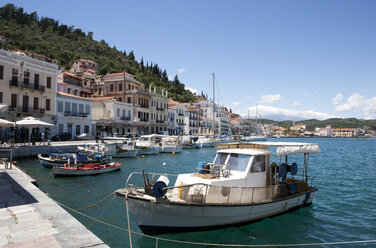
column 346, row 132
column 73, row 114
column 84, row 65
column 129, row 91
column 207, row 126
column 112, row 117
column 74, row 84
column 158, row 111
column 192, row 119
column 176, row 113
column 28, row 86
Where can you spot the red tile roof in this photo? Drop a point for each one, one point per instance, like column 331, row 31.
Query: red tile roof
column 71, row 95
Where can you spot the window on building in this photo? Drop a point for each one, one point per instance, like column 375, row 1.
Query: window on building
column 118, row 112
column 49, row 82
column 26, row 77
column 80, row 108
column 14, row 76
column 120, row 87
column 67, row 107
column 129, row 100
column 60, row 106
column 87, row 109
column 1, row 72
column 123, row 113
column 1, row 97
column 111, row 87
column 129, row 113
column 60, row 128
column 36, row 79
column 36, row 102
column 120, row 99
column 86, row 129
column 74, row 107
column 48, row 104
column 13, row 102
column 78, row 129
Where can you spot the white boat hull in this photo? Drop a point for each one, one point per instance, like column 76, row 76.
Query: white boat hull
column 148, row 151
column 126, row 154
column 170, row 149
column 156, row 218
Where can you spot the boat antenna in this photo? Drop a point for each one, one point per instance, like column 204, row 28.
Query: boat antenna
column 213, row 104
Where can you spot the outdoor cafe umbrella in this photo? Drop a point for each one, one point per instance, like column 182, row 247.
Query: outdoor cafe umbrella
column 31, row 122
column 5, row 123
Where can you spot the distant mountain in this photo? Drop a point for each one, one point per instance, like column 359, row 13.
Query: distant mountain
column 65, row 43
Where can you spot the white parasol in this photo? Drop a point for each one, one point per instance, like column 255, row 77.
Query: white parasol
column 32, row 122
column 5, row 123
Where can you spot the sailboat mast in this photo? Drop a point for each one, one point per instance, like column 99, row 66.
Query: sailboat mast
column 213, row 104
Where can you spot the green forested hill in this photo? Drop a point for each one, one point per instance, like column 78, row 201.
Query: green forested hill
column 334, row 122
column 46, row 36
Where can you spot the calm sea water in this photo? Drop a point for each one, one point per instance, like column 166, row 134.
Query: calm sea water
column 343, row 209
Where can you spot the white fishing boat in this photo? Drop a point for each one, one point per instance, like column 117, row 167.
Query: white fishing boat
column 240, row 186
column 207, row 141
column 147, row 145
column 169, row 144
column 126, row 149
column 188, row 142
column 85, row 169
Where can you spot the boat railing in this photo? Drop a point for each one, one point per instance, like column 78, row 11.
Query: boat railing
column 200, row 193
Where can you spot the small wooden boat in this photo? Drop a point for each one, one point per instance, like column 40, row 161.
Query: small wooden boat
column 59, row 159
column 85, row 169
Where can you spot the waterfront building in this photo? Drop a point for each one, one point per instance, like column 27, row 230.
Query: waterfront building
column 158, row 111
column 111, row 117
column 192, row 120
column 346, row 132
column 176, row 112
column 73, row 114
column 128, row 91
column 206, row 126
column 241, row 125
column 28, row 86
column 325, row 132
column 74, row 84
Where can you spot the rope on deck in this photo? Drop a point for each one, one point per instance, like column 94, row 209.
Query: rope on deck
column 214, row 244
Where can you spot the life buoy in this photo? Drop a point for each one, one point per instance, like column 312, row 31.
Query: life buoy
column 80, row 166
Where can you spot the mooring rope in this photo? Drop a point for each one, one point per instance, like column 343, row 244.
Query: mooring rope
column 93, row 205
column 214, row 244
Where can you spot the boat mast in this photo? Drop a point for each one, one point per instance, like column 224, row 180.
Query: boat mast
column 213, row 104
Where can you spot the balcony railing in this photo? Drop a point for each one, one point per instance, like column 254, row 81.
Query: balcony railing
column 144, row 106
column 181, row 123
column 181, row 114
column 125, row 118
column 26, row 110
column 27, row 86
column 159, row 121
column 160, row 109
column 75, row 114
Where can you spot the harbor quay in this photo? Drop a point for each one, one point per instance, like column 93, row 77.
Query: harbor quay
column 26, row 150
column 29, row 218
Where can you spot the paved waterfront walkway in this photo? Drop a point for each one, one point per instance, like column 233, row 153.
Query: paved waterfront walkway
column 29, row 218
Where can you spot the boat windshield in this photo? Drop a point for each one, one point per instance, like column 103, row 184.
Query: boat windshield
column 236, row 161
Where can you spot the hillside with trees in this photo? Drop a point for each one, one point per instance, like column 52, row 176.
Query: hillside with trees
column 48, row 37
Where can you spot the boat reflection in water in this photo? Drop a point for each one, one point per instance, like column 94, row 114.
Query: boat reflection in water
column 241, row 185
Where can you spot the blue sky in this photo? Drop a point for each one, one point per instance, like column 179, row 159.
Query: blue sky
column 295, row 59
